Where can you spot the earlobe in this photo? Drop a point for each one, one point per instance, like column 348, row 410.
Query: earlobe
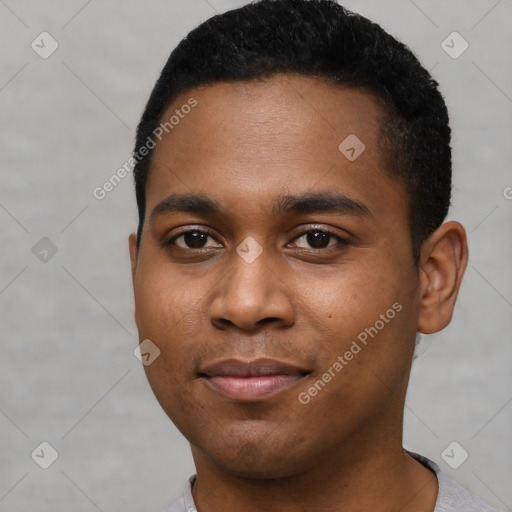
column 444, row 257
column 132, row 246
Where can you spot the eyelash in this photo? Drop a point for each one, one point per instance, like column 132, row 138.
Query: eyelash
column 341, row 240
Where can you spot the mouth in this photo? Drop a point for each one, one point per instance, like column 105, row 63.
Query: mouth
column 251, row 380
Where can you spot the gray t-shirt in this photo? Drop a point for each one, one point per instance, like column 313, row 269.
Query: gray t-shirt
column 450, row 498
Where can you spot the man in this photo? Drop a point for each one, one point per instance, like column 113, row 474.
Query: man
column 293, row 172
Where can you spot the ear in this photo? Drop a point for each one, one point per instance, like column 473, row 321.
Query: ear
column 134, row 250
column 443, row 260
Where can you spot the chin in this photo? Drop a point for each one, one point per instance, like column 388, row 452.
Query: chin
column 256, row 454
column 260, row 469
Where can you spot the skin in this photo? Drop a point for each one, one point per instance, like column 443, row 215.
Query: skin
column 244, row 145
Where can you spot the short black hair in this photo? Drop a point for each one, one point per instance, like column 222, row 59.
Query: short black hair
column 320, row 38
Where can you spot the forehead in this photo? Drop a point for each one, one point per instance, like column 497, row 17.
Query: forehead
column 285, row 134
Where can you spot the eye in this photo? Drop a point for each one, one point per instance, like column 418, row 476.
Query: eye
column 316, row 239
column 319, row 239
column 192, row 239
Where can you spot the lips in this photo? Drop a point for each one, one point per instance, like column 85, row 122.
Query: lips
column 251, row 380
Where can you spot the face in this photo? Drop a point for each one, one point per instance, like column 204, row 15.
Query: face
column 275, row 275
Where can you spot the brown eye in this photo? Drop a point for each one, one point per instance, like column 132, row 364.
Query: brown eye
column 319, row 239
column 192, row 239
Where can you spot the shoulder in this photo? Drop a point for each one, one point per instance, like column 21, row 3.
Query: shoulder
column 186, row 503
column 177, row 506
column 452, row 497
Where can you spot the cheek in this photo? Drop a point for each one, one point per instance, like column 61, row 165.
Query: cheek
column 348, row 299
column 364, row 316
column 164, row 302
column 168, row 312
column 166, row 377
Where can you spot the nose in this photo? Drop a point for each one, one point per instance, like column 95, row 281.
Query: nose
column 251, row 295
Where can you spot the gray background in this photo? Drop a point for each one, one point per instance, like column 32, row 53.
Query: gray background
column 68, row 374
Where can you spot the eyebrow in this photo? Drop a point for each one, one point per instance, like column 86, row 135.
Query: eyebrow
column 321, row 202
column 318, row 202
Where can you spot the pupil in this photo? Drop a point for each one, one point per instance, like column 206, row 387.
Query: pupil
column 195, row 239
column 318, row 239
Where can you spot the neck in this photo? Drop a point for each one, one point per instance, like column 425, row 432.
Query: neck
column 380, row 478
